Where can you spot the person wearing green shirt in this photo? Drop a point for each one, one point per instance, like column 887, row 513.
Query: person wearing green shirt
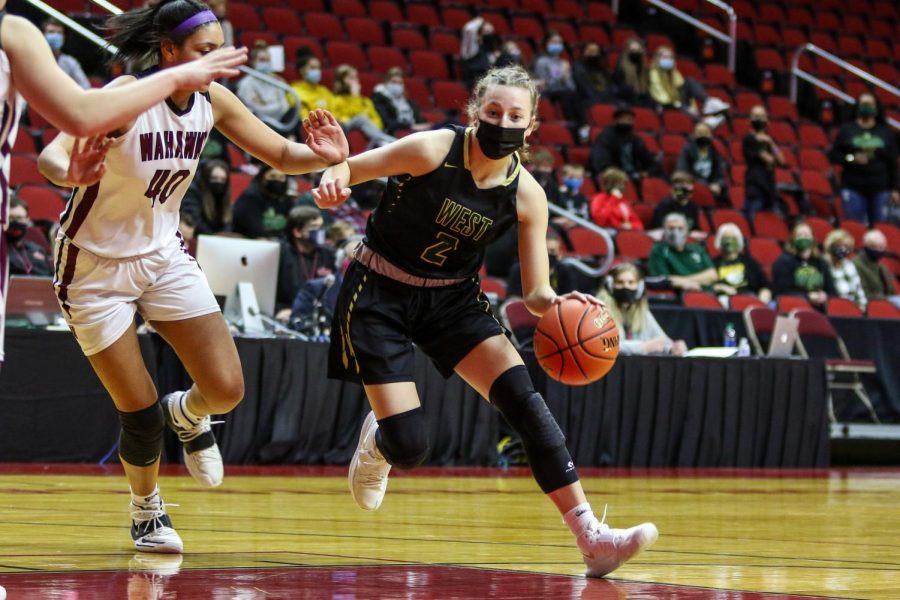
column 687, row 266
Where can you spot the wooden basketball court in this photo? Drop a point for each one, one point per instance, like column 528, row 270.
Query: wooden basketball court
column 296, row 533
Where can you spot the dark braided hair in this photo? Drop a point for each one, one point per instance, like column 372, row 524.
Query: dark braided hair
column 138, row 33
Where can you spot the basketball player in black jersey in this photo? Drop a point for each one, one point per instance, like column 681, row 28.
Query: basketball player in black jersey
column 414, row 280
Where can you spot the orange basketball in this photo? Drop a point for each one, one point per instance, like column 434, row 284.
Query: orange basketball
column 576, row 343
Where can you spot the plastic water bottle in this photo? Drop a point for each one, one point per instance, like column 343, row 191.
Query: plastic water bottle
column 730, row 340
column 743, row 348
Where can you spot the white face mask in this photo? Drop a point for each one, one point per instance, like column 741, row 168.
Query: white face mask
column 394, row 89
column 667, row 63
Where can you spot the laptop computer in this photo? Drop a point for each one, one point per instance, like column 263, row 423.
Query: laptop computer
column 31, row 301
column 784, row 337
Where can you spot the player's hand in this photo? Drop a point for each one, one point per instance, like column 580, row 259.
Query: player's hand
column 87, row 161
column 330, row 194
column 584, row 298
column 214, row 65
column 325, row 137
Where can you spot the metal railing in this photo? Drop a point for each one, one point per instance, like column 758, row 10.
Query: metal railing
column 729, row 38
column 798, row 73
column 610, row 245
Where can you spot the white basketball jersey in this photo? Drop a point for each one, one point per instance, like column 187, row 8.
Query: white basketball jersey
column 9, row 126
column 133, row 209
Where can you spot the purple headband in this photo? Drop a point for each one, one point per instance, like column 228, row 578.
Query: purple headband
column 201, row 18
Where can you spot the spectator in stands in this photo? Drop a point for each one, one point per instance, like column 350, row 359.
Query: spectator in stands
column 867, row 150
column 479, row 50
column 563, row 278
column 396, row 110
column 220, row 9
column 543, row 171
column 569, row 195
column 510, row 54
column 312, row 93
column 618, row 146
column 609, row 208
column 265, row 100
column 208, row 199
column 25, row 257
column 355, row 111
column 877, row 281
column 687, row 266
column 261, row 210
column 592, row 79
column 554, row 78
column 763, row 156
column 739, row 273
column 681, row 201
column 639, row 331
column 305, row 255
column 55, row 34
column 669, row 88
column 701, row 159
column 800, row 271
column 847, row 283
column 632, row 77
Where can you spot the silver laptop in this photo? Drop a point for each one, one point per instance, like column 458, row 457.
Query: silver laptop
column 784, row 337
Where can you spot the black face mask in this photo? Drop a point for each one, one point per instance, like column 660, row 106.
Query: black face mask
column 874, row 255
column 490, row 41
column 217, row 188
column 497, row 142
column 624, row 295
column 594, row 61
column 275, row 187
column 15, row 231
column 758, row 124
column 624, row 128
column 703, row 142
column 839, row 252
column 636, row 57
column 554, row 261
column 544, row 178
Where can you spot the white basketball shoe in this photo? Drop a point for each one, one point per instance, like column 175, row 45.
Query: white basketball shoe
column 151, row 529
column 369, row 470
column 201, row 453
column 605, row 549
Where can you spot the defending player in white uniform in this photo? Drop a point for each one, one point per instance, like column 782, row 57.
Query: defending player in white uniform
column 119, row 252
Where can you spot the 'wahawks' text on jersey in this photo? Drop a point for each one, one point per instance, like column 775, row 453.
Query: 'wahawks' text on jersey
column 134, row 209
column 438, row 224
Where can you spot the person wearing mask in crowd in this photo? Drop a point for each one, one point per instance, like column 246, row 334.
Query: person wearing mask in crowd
column 25, row 257
column 265, row 100
column 609, row 208
column 510, row 54
column 563, row 278
column 554, row 74
column 866, row 148
column 396, row 110
column 687, row 266
column 220, row 9
column 305, row 255
column 847, row 283
column 619, row 146
column 321, row 293
column 208, row 200
column 569, row 196
column 877, row 281
column 639, row 332
column 632, row 77
column 261, row 210
column 739, row 273
column 55, row 34
column 479, row 49
column 763, row 156
column 679, row 202
column 700, row 158
column 309, row 87
column 592, row 79
column 355, row 111
column 669, row 88
column 800, row 271
column 541, row 165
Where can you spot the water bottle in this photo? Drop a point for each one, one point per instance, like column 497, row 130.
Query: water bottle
column 743, row 348
column 730, row 340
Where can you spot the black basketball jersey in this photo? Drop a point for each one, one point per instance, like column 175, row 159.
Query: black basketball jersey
column 439, row 224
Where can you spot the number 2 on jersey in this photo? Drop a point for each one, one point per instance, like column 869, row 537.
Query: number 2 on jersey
column 436, row 254
column 161, row 185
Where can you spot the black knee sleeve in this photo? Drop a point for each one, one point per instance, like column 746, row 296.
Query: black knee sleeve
column 512, row 393
column 140, row 441
column 403, row 439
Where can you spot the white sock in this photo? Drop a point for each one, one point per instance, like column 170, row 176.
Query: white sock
column 581, row 519
column 183, row 416
column 151, row 500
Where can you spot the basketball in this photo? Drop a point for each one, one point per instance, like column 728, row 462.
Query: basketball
column 576, row 343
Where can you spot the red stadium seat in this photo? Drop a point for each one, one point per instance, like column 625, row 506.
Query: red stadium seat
column 782, row 132
column 238, row 182
column 787, row 304
column 743, row 301
column 304, row 6
column 455, row 17
column 244, row 16
column 249, row 38
column 348, row 8
column 820, row 227
column 600, row 12
column 23, row 169
column 593, row 33
column 498, row 20
column 760, row 323
column 727, row 215
column 43, row 201
column 294, row 43
column 646, row 119
column 654, row 190
column 408, row 38
column 587, row 243
column 386, row 10
column 720, row 75
column 780, row 107
column 364, row 30
column 850, row 45
column 856, row 229
column 814, row 160
column 771, row 225
column 528, row 27
column 282, row 20
column 705, row 300
column 492, row 285
column 633, row 245
column 841, row 307
column 24, row 143
column 519, row 321
column 349, row 53
column 744, row 101
column 765, row 251
column 815, row 182
column 677, row 122
column 768, row 59
column 882, row 309
column 892, row 233
column 445, row 42
column 602, row 114
column 813, row 136
column 383, row 58
column 417, row 90
column 570, row 9
column 450, row 95
column 422, row 14
column 555, row 134
column 324, row 25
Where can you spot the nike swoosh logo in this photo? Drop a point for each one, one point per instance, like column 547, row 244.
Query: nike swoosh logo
column 588, row 555
column 449, row 166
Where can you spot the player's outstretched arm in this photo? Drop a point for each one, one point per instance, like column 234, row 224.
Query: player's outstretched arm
column 89, row 112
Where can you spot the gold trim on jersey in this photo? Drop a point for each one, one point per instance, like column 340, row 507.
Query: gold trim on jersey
column 516, row 158
column 347, row 351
